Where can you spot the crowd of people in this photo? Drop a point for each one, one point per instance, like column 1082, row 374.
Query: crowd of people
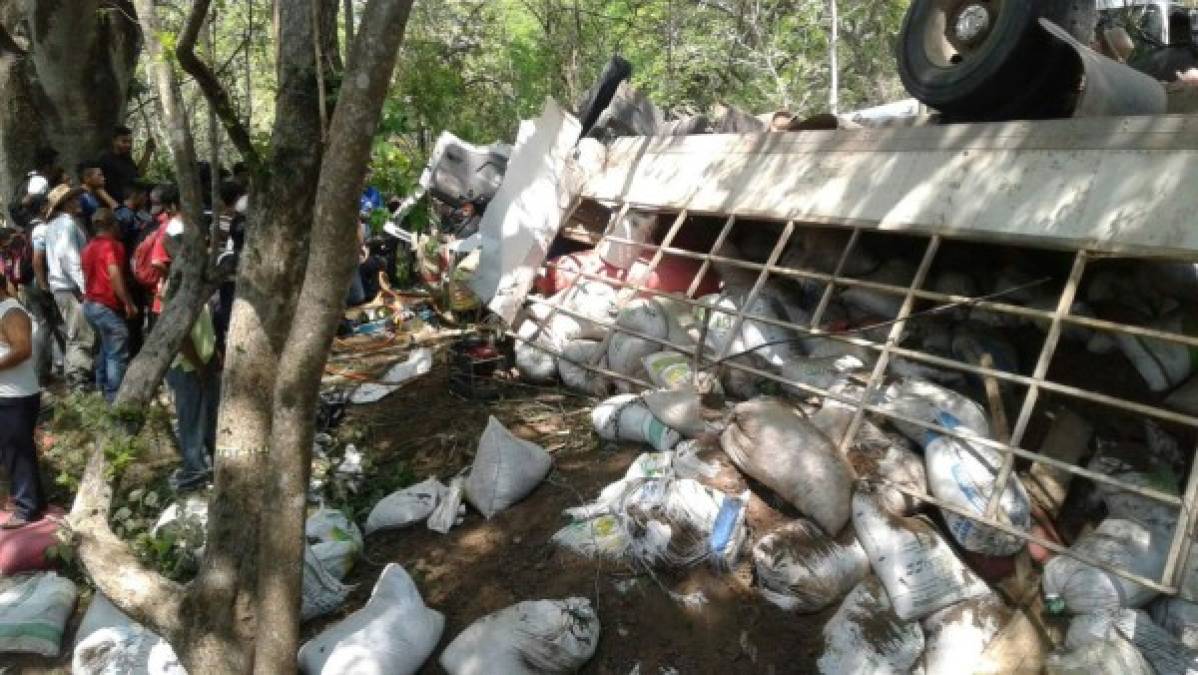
column 85, row 262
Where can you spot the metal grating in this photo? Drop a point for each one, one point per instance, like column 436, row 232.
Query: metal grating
column 1011, row 444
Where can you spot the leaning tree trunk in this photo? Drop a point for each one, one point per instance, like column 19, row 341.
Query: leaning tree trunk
column 65, row 71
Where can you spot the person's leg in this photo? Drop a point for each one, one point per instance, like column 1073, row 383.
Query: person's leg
column 31, row 297
column 79, row 338
column 18, row 418
column 114, row 347
column 188, row 409
column 211, row 409
column 92, row 313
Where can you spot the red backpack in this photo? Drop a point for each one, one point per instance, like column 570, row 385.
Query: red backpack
column 143, row 271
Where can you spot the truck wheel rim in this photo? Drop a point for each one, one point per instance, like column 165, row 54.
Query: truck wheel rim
column 957, row 29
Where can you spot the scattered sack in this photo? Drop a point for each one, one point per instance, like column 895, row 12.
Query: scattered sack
column 406, row 507
column 335, row 540
column 419, row 362
column 959, row 472
column 1163, row 651
column 789, row 455
column 125, row 650
column 626, row 418
column 932, row 404
column 1163, row 365
column 871, row 303
column 534, row 358
column 647, row 465
column 959, row 634
column 321, row 592
column 1115, row 657
column 678, row 410
column 538, row 637
column 1124, row 544
column 394, row 634
column 185, row 521
column 24, row 549
column 1185, row 398
column 821, row 373
column 886, row 461
column 675, row 371
column 659, row 522
column 963, row 474
column 109, row 643
column 708, row 464
column 598, row 538
column 626, row 356
column 1179, row 617
column 450, row 511
column 34, row 609
column 919, row 569
column 801, row 569
column 506, row 469
column 865, row 635
column 578, row 378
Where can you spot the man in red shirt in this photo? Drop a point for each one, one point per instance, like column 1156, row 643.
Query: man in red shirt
column 107, row 302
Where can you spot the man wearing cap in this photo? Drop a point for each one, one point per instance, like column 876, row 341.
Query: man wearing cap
column 64, row 271
column 20, row 401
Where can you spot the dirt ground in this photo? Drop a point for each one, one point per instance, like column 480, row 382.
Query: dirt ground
column 483, row 566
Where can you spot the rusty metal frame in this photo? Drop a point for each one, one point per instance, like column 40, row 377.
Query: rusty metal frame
column 1172, row 579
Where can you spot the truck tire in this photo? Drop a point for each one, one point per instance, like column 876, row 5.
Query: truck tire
column 973, row 69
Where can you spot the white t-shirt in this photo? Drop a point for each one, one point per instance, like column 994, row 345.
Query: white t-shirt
column 19, row 381
column 37, row 185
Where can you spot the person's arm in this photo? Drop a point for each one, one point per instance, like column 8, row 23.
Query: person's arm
column 18, row 333
column 39, row 269
column 107, row 200
column 117, row 279
column 73, row 265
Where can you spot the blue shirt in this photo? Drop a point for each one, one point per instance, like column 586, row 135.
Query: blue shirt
column 89, row 203
column 371, row 200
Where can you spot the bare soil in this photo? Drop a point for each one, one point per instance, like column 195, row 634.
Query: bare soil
column 483, row 566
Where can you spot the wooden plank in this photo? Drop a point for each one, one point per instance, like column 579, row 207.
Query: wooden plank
column 1067, row 441
column 1117, row 185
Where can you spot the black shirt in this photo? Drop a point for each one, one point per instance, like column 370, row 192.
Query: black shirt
column 120, row 171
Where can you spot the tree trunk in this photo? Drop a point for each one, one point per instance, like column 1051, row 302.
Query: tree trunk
column 332, row 259
column 70, row 86
column 268, row 283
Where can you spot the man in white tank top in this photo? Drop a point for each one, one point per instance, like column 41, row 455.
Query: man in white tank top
column 20, row 400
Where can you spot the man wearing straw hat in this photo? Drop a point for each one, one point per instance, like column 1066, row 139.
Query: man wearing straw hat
column 64, row 245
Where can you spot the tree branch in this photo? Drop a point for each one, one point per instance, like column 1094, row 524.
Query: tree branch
column 216, row 94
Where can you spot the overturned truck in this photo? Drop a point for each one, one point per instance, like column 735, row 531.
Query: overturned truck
column 1016, row 302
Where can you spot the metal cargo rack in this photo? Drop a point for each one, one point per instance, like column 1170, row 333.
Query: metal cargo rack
column 1011, row 445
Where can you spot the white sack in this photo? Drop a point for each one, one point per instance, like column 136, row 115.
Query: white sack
column 506, row 469
column 34, row 609
column 538, row 637
column 579, row 378
column 626, row 418
column 1166, row 653
column 394, row 634
column 801, row 569
column 789, row 455
column 1124, row 544
column 406, row 507
column 958, row 635
column 920, row 571
column 865, row 635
